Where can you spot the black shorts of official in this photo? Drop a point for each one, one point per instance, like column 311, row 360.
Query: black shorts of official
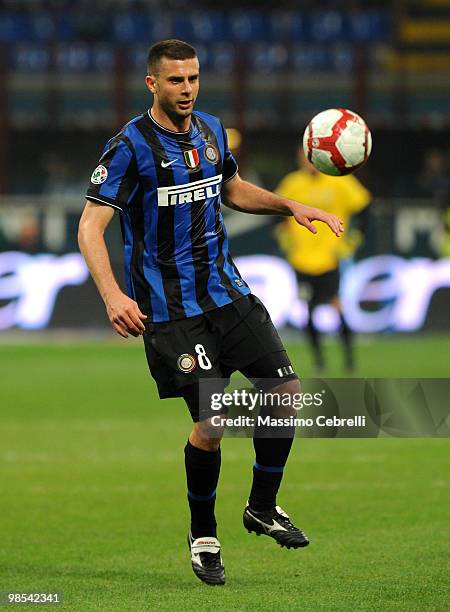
column 320, row 288
column 237, row 337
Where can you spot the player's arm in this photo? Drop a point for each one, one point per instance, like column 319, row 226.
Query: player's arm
column 246, row 197
column 123, row 312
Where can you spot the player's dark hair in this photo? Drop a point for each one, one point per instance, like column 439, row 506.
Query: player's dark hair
column 170, row 48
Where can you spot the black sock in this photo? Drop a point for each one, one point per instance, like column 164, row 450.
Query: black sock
column 202, row 475
column 347, row 341
column 314, row 338
column 271, row 456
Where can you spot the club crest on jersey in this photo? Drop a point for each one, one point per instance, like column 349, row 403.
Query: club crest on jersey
column 99, row 175
column 186, row 363
column 211, row 153
column 192, row 158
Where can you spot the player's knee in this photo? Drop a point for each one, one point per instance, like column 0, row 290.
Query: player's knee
column 288, row 395
column 206, row 435
column 289, row 387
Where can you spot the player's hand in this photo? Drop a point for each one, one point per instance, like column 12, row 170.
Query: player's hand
column 125, row 316
column 304, row 215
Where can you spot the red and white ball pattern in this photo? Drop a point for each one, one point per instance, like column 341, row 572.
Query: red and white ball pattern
column 337, row 141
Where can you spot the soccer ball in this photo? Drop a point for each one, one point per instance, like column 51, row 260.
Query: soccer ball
column 337, row 141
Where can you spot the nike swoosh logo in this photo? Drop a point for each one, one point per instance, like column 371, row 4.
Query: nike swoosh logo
column 165, row 164
column 268, row 528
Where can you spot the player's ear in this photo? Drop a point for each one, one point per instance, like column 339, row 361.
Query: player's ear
column 150, row 81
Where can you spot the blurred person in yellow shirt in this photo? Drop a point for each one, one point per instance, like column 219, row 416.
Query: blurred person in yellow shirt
column 316, row 257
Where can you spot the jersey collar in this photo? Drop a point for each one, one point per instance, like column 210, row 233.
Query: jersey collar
column 171, row 133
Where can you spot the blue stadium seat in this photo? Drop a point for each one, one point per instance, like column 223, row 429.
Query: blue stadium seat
column 74, row 57
column 368, row 26
column 287, row 26
column 309, row 57
column 137, row 57
column 131, row 26
column 29, row 57
column 267, row 58
column 204, row 56
column 43, row 27
column 15, row 27
column 222, row 58
column 327, row 26
column 161, row 26
column 102, row 58
column 201, row 26
column 248, row 25
column 64, row 27
column 341, row 57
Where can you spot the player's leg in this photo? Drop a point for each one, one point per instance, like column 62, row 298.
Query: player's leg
column 272, row 447
column 310, row 289
column 176, row 367
column 202, row 462
column 253, row 345
column 315, row 340
column 346, row 335
column 328, row 292
column 272, row 444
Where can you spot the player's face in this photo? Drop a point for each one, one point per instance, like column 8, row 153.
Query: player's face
column 175, row 87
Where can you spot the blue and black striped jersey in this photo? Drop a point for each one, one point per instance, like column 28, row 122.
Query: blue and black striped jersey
column 167, row 188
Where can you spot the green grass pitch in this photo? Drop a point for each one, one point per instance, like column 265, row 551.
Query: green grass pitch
column 93, row 494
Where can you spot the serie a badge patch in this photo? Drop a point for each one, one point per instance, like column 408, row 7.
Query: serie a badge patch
column 191, row 158
column 99, row 175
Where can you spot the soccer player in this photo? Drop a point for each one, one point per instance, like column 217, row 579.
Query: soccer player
column 166, row 173
column 316, row 259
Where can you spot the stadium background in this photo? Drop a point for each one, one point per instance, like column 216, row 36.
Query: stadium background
column 90, row 455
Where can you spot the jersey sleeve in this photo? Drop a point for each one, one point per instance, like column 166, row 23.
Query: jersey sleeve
column 115, row 179
column 229, row 166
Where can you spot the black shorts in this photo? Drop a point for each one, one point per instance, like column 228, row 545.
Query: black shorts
column 214, row 345
column 320, row 288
